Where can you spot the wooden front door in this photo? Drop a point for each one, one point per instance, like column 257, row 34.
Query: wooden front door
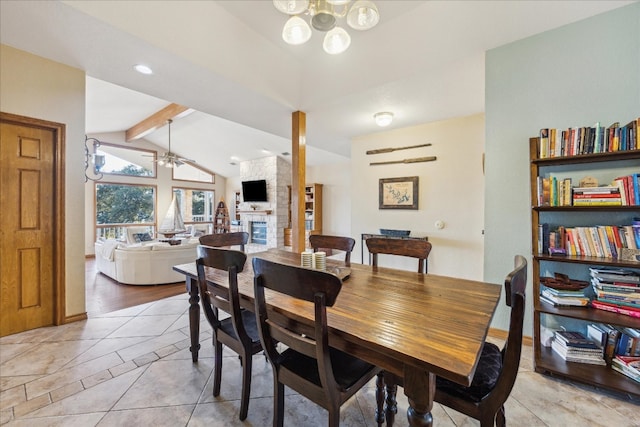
column 31, row 255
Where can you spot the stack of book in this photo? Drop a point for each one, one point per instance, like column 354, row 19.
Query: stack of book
column 563, row 298
column 602, row 241
column 617, row 290
column 615, row 340
column 575, row 347
column 586, row 140
column 607, row 195
column 626, row 365
column 629, row 186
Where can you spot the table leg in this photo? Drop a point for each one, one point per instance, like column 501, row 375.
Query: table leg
column 420, row 388
column 380, row 399
column 194, row 317
column 391, row 403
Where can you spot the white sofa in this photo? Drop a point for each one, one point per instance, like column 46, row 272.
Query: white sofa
column 147, row 263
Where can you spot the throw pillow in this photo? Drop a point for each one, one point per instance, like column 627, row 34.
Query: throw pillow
column 142, row 237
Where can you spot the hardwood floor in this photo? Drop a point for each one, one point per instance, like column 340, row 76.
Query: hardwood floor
column 104, row 295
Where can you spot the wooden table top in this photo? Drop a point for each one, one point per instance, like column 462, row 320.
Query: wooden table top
column 392, row 318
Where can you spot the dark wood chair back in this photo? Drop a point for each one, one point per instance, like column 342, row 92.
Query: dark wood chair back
column 404, row 247
column 239, row 331
column 217, row 240
column 496, row 371
column 320, row 241
column 308, row 365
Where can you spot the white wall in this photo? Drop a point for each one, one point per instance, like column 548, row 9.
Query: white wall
column 576, row 75
column 336, row 196
column 450, row 189
column 36, row 87
column 164, row 185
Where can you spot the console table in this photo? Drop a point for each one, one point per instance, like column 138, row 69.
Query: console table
column 365, row 236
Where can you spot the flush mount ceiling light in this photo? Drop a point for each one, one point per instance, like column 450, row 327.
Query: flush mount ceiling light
column 383, row 118
column 323, row 16
column 143, row 69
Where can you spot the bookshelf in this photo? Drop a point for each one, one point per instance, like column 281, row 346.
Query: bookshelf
column 222, row 223
column 237, row 201
column 312, row 213
column 606, row 166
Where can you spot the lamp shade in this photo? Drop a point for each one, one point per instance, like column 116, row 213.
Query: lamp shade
column 336, row 41
column 291, row 7
column 383, row 119
column 363, row 15
column 296, row 31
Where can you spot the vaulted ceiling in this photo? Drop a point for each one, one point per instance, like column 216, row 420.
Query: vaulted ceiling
column 226, row 59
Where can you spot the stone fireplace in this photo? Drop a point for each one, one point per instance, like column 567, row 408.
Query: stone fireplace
column 266, row 220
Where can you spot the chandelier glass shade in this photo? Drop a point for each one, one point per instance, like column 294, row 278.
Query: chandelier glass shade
column 324, row 15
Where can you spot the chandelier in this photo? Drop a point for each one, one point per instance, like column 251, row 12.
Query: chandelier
column 323, row 15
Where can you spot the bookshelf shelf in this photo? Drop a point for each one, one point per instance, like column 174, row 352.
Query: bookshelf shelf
column 605, row 165
column 587, row 208
column 587, row 158
column 548, row 362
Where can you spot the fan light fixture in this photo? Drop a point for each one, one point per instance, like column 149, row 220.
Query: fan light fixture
column 383, row 118
column 324, row 14
column 169, row 159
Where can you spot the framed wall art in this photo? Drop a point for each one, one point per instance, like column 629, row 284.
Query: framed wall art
column 398, row 193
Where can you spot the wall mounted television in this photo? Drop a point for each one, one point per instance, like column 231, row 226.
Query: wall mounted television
column 254, row 191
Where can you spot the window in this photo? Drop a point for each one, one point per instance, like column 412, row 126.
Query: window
column 190, row 172
column 119, row 206
column 196, row 206
column 120, row 160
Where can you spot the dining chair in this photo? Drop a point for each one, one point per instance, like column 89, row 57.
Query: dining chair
column 404, row 247
column 239, row 238
column 496, row 371
column 239, row 331
column 321, row 241
column 326, row 376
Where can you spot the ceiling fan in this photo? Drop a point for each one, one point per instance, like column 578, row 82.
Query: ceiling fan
column 169, row 159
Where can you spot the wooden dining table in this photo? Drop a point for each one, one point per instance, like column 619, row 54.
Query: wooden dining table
column 417, row 326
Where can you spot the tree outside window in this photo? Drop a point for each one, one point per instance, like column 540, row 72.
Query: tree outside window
column 118, row 205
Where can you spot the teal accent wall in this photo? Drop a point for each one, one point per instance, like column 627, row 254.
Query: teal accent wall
column 576, row 75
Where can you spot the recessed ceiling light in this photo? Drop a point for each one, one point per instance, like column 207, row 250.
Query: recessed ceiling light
column 143, row 69
column 265, row 151
column 286, row 153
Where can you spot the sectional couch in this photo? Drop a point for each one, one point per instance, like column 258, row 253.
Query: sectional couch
column 146, row 263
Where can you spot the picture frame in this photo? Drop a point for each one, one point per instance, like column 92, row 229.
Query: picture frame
column 398, row 193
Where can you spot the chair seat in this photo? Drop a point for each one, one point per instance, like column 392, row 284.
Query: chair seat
column 250, row 326
column 485, row 378
column 347, row 369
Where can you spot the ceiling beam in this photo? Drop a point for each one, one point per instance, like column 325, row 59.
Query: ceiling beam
column 155, row 121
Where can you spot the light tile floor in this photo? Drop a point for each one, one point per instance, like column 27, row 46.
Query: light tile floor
column 133, row 367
